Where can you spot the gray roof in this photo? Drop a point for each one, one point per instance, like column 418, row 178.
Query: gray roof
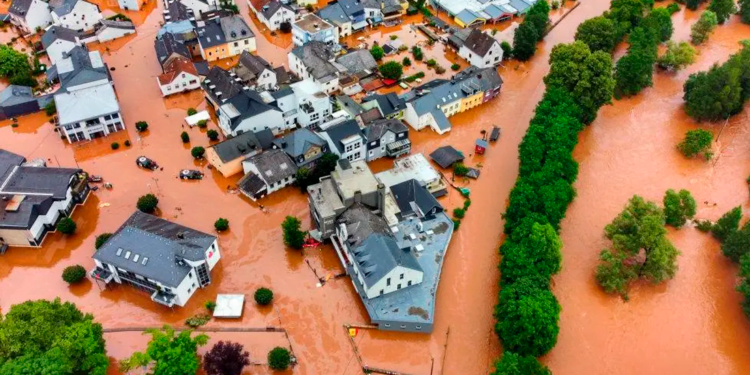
column 82, row 68
column 211, row 34
column 223, row 82
column 373, row 245
column 164, row 243
column 273, row 165
column 118, row 24
column 351, row 7
column 272, row 7
column 20, row 7
column 376, row 129
column 349, row 105
column 235, row 28
column 520, row 5
column 248, row 104
column 415, row 200
column 445, row 156
column 14, row 94
column 298, row 142
column 334, row 14
column 389, row 103
column 358, row 62
column 286, row 91
column 341, row 131
column 178, row 12
column 479, row 42
column 8, row 161
column 243, row 144
column 167, row 45
column 250, row 66
column 317, row 57
column 58, row 32
column 62, row 7
column 467, row 16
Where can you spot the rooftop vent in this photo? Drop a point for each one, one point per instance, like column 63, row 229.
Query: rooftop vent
column 180, row 235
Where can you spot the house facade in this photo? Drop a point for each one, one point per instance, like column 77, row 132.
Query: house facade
column 30, row 15
column 481, row 49
column 303, row 146
column 33, row 199
column 389, row 105
column 179, row 76
column 111, row 30
column 167, row 260
column 313, row 105
column 267, row 173
column 315, row 61
column 386, row 137
column 58, row 41
column 272, row 13
column 255, row 72
column 79, row 15
column 227, row 156
column 311, row 27
column 247, row 112
column 224, row 37
column 334, row 14
column 346, row 140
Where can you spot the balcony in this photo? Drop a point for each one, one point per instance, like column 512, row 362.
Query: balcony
column 398, row 148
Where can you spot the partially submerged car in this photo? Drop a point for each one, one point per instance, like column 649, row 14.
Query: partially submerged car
column 190, row 174
column 147, row 163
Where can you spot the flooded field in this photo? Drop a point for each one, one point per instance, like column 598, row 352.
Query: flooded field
column 691, row 325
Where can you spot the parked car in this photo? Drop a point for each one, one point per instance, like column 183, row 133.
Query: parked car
column 190, row 174
column 147, row 163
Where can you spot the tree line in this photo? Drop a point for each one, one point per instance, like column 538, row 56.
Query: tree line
column 531, row 30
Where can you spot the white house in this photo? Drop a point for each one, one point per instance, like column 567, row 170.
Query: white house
column 200, row 6
column 335, row 15
column 346, row 140
column 79, row 15
column 247, row 111
column 272, row 13
column 316, row 61
column 256, row 72
column 313, row 105
column 110, row 30
column 267, row 172
column 481, row 49
column 167, row 260
column 58, row 41
column 179, row 75
column 30, row 15
column 129, row 4
column 310, row 28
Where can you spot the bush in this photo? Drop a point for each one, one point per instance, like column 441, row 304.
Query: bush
column 141, row 126
column 294, row 237
column 703, row 27
column 467, row 204
column 74, row 274
column 391, row 70
column 394, row 37
column 696, row 142
column 678, row 207
column 127, row 143
column 459, row 213
column 147, row 203
column 202, row 124
column 677, row 56
column 101, row 240
column 198, row 152
column 406, row 61
column 114, row 145
column 744, row 11
column 507, row 50
column 456, row 224
column 737, row 243
column 377, row 52
column 221, row 224
column 455, row 67
column 723, row 9
column 417, row 53
column 50, row 109
column 727, row 224
column 459, row 169
column 555, row 4
column 673, row 8
column 439, row 69
column 704, row 225
column 514, row 364
column 431, row 62
column 66, row 226
column 198, row 320
column 279, row 358
column 212, row 134
column 210, row 306
column 226, row 358
column 309, row 8
column 185, row 137
column 191, row 111
column 263, row 296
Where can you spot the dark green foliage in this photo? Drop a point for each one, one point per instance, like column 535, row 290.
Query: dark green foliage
column 50, row 337
column 147, row 203
column 744, row 11
column 50, row 109
column 101, row 240
column 696, row 142
column 455, row 67
column 198, row 152
column 459, row 213
column 191, row 111
column 727, row 224
column 737, row 243
column 391, row 70
column 127, row 143
column 210, row 306
column 221, row 224
column 74, row 274
column 599, row 33
column 693, row 4
column 634, row 70
column 168, row 353
column 115, row 145
column 627, row 13
column 538, row 252
column 538, row 15
column 417, row 53
column 279, row 358
column 431, row 62
column 704, row 225
column 212, row 134
column 677, row 56
column 305, row 177
column 66, row 226
column 703, row 27
column 524, row 41
column 185, row 137
column 640, row 249
column 678, row 207
column 226, row 358
column 294, row 237
column 723, row 9
column 202, row 124
column 406, row 61
column 459, row 169
column 263, row 296
column 744, row 286
column 673, row 8
column 15, row 66
column 467, row 204
column 141, row 126
column 377, row 52
column 507, row 50
column 660, row 22
column 514, row 364
column 528, row 318
column 197, row 320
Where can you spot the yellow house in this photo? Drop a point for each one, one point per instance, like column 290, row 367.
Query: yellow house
column 471, row 101
column 220, row 38
column 227, row 156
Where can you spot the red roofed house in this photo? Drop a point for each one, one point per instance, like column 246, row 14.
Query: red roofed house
column 179, row 75
column 271, row 13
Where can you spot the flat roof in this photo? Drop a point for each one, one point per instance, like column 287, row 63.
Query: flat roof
column 229, row 306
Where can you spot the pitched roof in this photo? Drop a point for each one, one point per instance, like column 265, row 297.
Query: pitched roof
column 349, row 105
column 468, row 16
column 55, row 32
column 389, row 103
column 246, row 104
column 211, row 34
column 174, row 68
column 168, row 45
column 221, row 81
column 243, row 144
column 358, row 61
column 63, row 7
column 479, row 42
column 20, row 7
column 351, row 7
column 235, row 28
column 273, row 165
column 14, row 94
column 445, row 156
column 376, row 129
column 299, row 142
column 160, row 247
column 339, row 132
column 334, row 14
column 177, row 12
column 414, row 199
column 251, row 66
column 271, row 7
column 317, row 57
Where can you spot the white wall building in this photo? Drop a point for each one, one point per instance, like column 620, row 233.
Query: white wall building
column 272, row 13
column 129, row 4
column 179, row 75
column 30, row 15
column 79, row 15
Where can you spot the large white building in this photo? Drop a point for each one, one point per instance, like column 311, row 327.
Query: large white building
column 30, row 15
column 167, row 260
column 79, row 15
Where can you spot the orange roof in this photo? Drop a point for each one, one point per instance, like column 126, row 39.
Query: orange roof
column 176, row 67
column 258, row 4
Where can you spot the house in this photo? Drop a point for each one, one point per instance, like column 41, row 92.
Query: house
column 227, row 156
column 109, row 30
column 255, row 72
column 168, row 47
column 313, row 105
column 414, row 201
column 272, row 13
column 386, row 137
column 358, row 63
column 266, row 173
column 129, row 4
column 165, row 259
column 389, row 105
column 34, row 198
column 248, row 112
column 86, row 102
column 175, row 11
column 30, row 15
column 17, row 101
column 311, row 27
column 179, row 76
column 220, row 86
column 416, row 167
column 224, row 37
column 481, row 49
column 303, row 146
column 334, row 14
column 316, row 61
column 79, row 15
column 345, row 140
column 355, row 10
column 58, row 41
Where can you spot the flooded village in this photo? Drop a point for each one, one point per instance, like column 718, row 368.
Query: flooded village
column 394, row 201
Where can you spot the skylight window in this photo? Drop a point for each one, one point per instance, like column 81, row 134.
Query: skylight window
column 145, row 259
column 135, row 258
column 119, row 252
column 127, row 254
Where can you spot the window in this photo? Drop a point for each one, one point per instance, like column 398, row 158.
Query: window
column 236, row 44
column 190, row 274
column 127, row 254
column 401, row 277
column 398, row 286
column 388, row 282
column 193, row 285
column 409, row 284
column 381, row 292
column 248, row 42
column 418, row 327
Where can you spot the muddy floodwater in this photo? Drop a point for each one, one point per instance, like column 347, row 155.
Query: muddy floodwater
column 690, row 325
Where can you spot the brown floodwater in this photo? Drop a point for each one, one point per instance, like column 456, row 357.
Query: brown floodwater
column 692, row 324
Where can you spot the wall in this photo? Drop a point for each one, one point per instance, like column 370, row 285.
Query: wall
column 414, row 276
column 38, row 16
column 184, row 82
column 227, row 169
column 55, row 50
column 236, row 47
column 16, row 237
column 83, row 17
column 110, row 33
column 267, row 120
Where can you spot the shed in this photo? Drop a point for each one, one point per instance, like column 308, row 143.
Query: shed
column 229, row 306
column 473, row 173
column 194, row 119
column 480, row 146
column 446, row 156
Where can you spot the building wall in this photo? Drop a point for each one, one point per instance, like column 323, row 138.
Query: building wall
column 302, row 37
column 16, row 237
column 39, row 16
column 186, row 289
column 181, row 83
column 236, row 47
column 199, row 7
column 353, row 150
column 470, row 102
column 493, row 57
column 57, row 48
column 80, row 131
column 129, row 4
column 281, row 16
column 212, row 260
column 451, row 108
column 251, row 167
column 392, row 325
column 272, row 120
column 396, row 282
column 376, row 150
column 227, row 169
column 267, row 80
column 83, row 17
column 215, row 53
column 321, row 108
column 111, row 33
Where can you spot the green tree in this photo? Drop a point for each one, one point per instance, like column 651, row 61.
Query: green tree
column 693, row 4
column 377, row 52
column 141, row 126
column 713, row 95
column 635, row 70
column 677, row 56
column 391, row 70
column 51, row 337
column 279, row 358
column 538, row 15
column 627, row 12
column 737, row 243
column 417, row 53
column 538, row 253
column 406, row 61
column 198, row 152
column 528, row 318
column 586, row 76
column 678, row 207
column 191, row 111
column 66, row 226
column 514, row 364
column 744, row 11
column 659, row 21
column 74, row 274
column 703, row 27
column 294, row 237
column 147, row 203
column 599, row 34
column 168, row 353
column 744, row 286
column 723, row 9
column 696, row 142
column 101, row 240
column 524, row 41
column 727, row 224
column 508, row 50
column 263, row 296
column 50, row 109
column 185, row 137
column 459, row 169
column 212, row 134
column 221, row 224
column 15, row 66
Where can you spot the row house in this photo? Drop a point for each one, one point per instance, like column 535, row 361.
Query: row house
column 272, row 13
column 79, row 15
column 224, row 37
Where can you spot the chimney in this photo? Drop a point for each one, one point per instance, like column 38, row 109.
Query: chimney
column 381, row 199
column 180, row 235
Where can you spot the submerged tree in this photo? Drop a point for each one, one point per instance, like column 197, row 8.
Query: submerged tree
column 737, row 243
column 723, row 9
column 599, row 33
column 727, row 224
column 514, row 364
column 703, row 27
column 678, row 207
column 696, row 142
column 294, row 237
column 677, row 56
column 168, row 353
column 226, row 358
column 538, row 253
column 524, row 41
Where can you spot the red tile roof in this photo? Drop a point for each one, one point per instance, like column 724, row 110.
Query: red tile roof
column 258, row 4
column 176, row 67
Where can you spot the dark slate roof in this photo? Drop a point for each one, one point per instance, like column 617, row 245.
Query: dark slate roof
column 118, row 24
column 224, row 82
column 14, row 95
column 282, row 76
column 250, row 66
column 358, row 62
column 168, row 45
column 211, row 34
column 83, row 69
column 178, row 11
column 334, row 14
column 351, row 7
column 237, row 147
column 58, row 32
column 479, row 42
column 389, row 103
column 8, row 160
column 272, row 7
column 349, row 105
column 251, row 184
column 235, row 28
column 445, row 156
column 202, row 67
column 286, row 91
column 40, row 180
column 298, row 142
column 373, row 245
column 249, row 104
column 378, row 128
column 273, row 165
column 62, row 7
column 341, row 131
column 20, row 7
column 413, row 199
column 164, row 243
column 317, row 57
